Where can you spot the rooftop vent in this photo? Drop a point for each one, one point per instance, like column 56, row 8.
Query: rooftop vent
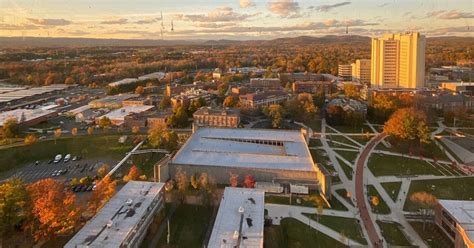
column 110, row 223
column 241, row 209
column 129, row 202
column 236, row 234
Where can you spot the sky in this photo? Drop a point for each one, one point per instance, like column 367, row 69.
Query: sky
column 232, row 19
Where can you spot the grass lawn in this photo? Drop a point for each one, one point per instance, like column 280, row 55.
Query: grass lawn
column 343, row 193
column 432, row 235
column 387, row 165
column 320, row 158
column 314, row 142
column 306, row 201
column 430, row 150
column 347, row 170
column 341, row 139
column 105, row 146
column 450, row 189
column 188, row 226
column 362, row 139
column 145, row 162
column 350, row 227
column 392, row 189
column 392, row 233
column 350, row 129
column 382, row 208
column 348, row 155
column 295, row 234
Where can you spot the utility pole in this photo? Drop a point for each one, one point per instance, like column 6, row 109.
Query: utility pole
column 168, row 236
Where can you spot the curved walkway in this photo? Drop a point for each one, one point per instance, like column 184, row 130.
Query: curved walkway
column 360, row 195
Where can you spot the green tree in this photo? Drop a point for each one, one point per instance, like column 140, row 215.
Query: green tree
column 179, row 119
column 165, row 103
column 15, row 205
column 275, row 113
column 160, row 137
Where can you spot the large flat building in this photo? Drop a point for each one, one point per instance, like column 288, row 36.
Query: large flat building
column 27, row 117
column 263, row 99
column 124, row 220
column 239, row 221
column 268, row 155
column 265, row 83
column 398, row 61
column 456, row 219
column 117, row 117
column 361, row 71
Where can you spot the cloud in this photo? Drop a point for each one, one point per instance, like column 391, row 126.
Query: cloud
column 434, row 13
column 284, row 8
column 383, row 4
column 455, row 14
column 246, row 3
column 119, row 21
column 6, row 26
column 49, row 22
column 213, row 24
column 149, row 20
column 222, row 14
column 329, row 7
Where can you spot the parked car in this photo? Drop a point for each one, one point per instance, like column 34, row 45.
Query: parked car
column 67, row 158
column 74, row 158
column 37, row 162
column 89, row 188
column 58, row 158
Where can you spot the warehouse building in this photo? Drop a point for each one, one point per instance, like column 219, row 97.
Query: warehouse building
column 124, row 220
column 27, row 117
column 239, row 221
column 456, row 219
column 280, row 156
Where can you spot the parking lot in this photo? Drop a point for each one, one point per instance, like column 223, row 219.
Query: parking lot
column 61, row 171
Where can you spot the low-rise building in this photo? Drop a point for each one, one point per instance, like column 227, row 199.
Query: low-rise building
column 151, row 89
column 280, row 156
column 136, row 101
column 361, row 69
column 111, row 102
column 124, row 220
column 312, row 87
column 348, row 104
column 461, row 87
column 304, row 76
column 117, row 117
column 172, row 90
column 160, row 118
column 27, row 117
column 240, row 90
column 456, row 219
column 445, row 101
column 216, row 117
column 263, row 99
column 265, row 83
column 240, row 219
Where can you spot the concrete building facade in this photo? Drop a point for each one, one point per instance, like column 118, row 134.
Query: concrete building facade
column 216, row 117
column 265, row 83
column 361, row 71
column 456, row 219
column 398, row 61
column 344, row 71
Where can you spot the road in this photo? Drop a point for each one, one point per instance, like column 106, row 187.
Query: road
column 360, row 195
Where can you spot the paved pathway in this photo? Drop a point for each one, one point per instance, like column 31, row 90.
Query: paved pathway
column 374, row 237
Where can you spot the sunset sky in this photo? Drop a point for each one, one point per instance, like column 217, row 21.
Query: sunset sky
column 232, row 19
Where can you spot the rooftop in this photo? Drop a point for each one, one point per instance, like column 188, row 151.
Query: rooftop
column 217, row 111
column 463, row 212
column 247, row 148
column 122, row 112
column 22, row 115
column 239, row 222
column 119, row 218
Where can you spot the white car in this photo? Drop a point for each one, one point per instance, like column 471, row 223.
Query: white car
column 67, row 158
column 58, row 158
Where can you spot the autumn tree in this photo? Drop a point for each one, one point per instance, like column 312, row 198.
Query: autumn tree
column 105, row 189
column 57, row 134
column 408, row 124
column 230, row 101
column 54, row 210
column 233, row 180
column 30, row 139
column 181, row 183
column 165, row 103
column 10, row 128
column 69, row 80
column 351, row 91
column 424, row 200
column 179, row 118
column 139, row 90
column 133, row 174
column 160, row 137
column 74, row 131
column 103, row 170
column 105, row 122
column 90, row 130
column 194, row 182
column 15, row 205
column 275, row 113
column 249, row 181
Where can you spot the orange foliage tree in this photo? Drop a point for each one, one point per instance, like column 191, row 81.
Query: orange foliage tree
column 105, row 189
column 249, row 181
column 234, row 180
column 408, row 124
column 54, row 211
column 133, row 174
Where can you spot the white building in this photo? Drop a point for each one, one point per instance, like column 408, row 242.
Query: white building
column 124, row 220
column 240, row 219
column 117, row 117
column 456, row 219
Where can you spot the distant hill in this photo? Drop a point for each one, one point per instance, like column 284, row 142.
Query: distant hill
column 6, row 42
